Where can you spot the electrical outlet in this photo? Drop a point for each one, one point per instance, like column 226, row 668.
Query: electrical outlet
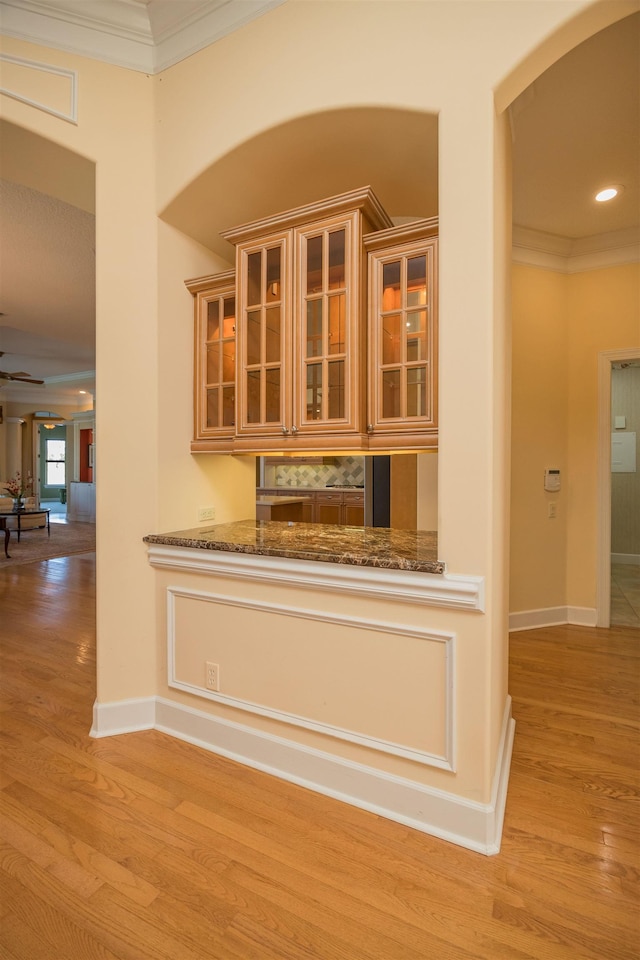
column 206, row 513
column 553, row 511
column 212, row 676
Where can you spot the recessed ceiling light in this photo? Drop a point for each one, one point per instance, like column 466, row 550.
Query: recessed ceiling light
column 608, row 193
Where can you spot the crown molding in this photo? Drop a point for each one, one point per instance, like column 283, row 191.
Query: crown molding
column 535, row 248
column 147, row 37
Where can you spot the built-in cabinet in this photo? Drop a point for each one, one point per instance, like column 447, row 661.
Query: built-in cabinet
column 324, row 337
column 343, row 507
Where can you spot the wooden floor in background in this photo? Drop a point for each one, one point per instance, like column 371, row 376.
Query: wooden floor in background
column 141, row 847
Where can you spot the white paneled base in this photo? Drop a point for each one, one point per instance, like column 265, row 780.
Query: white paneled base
column 466, row 823
column 552, row 617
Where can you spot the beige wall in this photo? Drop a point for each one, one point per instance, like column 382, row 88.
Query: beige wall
column 560, row 324
column 151, row 137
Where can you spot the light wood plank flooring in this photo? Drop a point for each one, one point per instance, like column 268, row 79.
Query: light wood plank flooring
column 143, row 848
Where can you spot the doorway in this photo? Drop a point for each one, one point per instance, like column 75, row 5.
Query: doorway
column 618, row 593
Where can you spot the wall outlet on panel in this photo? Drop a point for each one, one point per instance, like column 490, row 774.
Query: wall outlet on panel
column 553, row 511
column 212, row 676
column 206, row 513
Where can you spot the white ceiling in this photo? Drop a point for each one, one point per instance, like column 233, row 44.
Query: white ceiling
column 576, row 129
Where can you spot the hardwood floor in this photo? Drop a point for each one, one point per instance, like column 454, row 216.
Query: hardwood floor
column 140, row 847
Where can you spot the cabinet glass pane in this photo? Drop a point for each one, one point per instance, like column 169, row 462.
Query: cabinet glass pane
column 274, row 290
column 228, row 361
column 314, row 328
column 253, row 396
column 391, row 296
column 336, row 259
column 314, row 264
column 314, row 391
column 272, row 395
column 417, row 392
column 416, row 281
column 213, row 319
column 337, row 308
column 212, row 408
column 254, row 276
column 390, row 394
column 253, row 337
column 391, row 338
column 229, row 317
column 228, row 406
column 417, row 335
column 213, row 363
column 336, row 390
column 273, row 333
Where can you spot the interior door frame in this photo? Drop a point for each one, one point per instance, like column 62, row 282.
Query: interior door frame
column 606, row 359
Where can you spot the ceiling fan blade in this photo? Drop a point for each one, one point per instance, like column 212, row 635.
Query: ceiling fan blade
column 11, row 376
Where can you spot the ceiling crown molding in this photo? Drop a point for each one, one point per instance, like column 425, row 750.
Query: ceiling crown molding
column 146, row 37
column 564, row 255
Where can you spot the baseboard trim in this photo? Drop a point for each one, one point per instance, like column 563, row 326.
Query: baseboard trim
column 633, row 558
column 123, row 716
column 464, row 822
column 552, row 617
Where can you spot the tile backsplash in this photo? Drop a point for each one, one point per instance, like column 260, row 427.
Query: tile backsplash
column 345, row 470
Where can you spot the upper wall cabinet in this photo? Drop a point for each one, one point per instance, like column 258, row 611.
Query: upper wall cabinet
column 214, row 393
column 310, row 342
column 403, row 335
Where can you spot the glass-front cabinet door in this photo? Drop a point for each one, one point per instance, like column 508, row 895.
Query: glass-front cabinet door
column 264, row 338
column 326, row 332
column 403, row 335
column 214, row 407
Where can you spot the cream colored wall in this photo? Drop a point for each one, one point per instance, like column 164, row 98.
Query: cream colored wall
column 560, row 324
column 115, row 129
column 539, row 438
column 150, row 137
column 473, row 197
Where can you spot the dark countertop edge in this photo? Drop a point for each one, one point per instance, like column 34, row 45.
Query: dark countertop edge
column 343, row 558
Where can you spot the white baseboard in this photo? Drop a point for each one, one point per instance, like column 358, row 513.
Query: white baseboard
column 552, row 617
column 123, row 716
column 466, row 823
column 625, row 558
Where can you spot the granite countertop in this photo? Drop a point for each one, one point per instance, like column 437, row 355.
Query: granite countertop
column 358, row 546
column 278, row 501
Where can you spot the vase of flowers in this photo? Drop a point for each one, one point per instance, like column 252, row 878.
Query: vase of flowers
column 18, row 488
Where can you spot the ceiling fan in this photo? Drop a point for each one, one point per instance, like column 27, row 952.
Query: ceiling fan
column 19, row 375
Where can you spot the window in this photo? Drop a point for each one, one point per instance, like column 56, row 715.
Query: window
column 55, row 465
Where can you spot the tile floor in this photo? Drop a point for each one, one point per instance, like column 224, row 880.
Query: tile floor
column 625, row 594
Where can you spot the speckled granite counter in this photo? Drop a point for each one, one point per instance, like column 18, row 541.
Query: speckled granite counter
column 358, row 546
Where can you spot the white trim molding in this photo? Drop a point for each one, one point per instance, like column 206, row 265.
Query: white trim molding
column 632, row 558
column 145, row 37
column 442, row 590
column 71, row 115
column 552, row 617
column 444, row 761
column 467, row 823
column 535, row 248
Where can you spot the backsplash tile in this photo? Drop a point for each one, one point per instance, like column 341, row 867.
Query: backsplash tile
column 345, row 471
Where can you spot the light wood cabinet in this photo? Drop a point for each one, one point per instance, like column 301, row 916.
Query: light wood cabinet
column 343, row 507
column 403, row 335
column 324, row 338
column 214, row 397
column 301, row 325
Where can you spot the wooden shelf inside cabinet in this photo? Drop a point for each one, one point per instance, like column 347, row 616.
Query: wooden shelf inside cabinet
column 403, row 335
column 214, row 399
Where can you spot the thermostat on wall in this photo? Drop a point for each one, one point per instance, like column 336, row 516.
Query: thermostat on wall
column 552, row 480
